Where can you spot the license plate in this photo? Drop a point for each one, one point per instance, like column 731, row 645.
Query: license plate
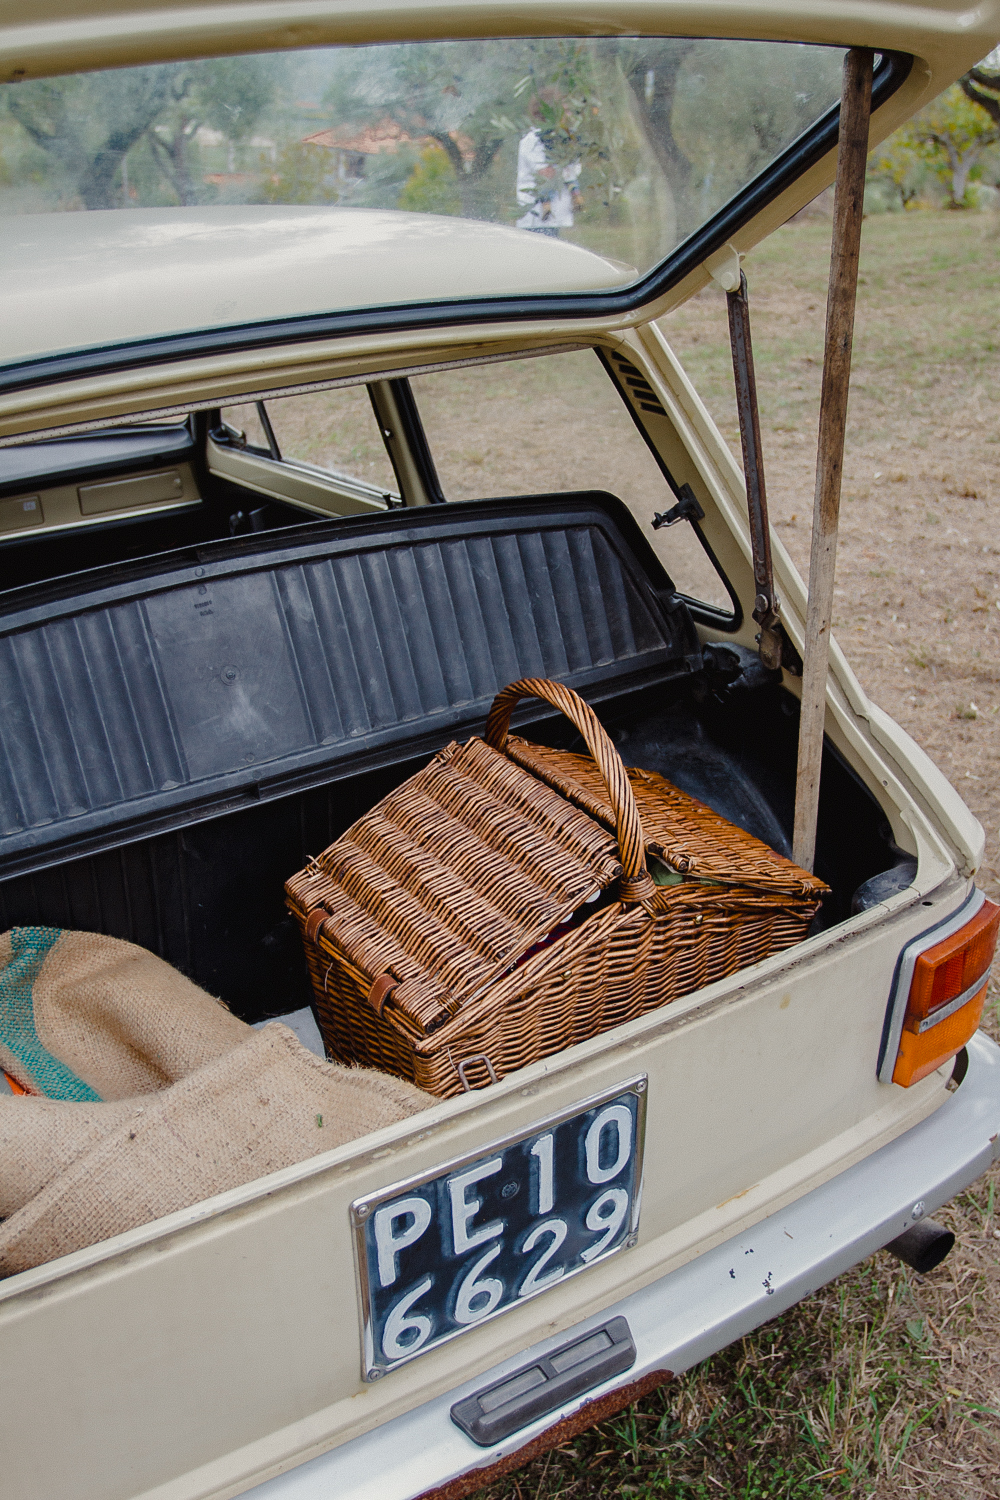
column 441, row 1253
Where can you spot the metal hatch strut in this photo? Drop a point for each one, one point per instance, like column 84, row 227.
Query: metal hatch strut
column 765, row 609
column 848, row 205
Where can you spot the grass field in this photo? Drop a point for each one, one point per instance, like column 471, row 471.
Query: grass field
column 885, row 1383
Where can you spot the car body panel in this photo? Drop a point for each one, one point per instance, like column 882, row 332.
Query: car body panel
column 235, row 374
column 942, row 40
column 246, row 1305
column 123, row 275
column 243, row 1305
column 692, row 1312
column 197, row 1355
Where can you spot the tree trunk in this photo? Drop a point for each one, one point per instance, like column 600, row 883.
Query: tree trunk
column 172, row 159
column 959, row 180
column 97, row 181
column 653, row 92
column 183, row 186
column 469, row 175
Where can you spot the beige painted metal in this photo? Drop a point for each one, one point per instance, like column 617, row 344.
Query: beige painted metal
column 22, row 513
column 944, row 39
column 301, row 485
column 217, row 380
column 194, row 1357
column 126, row 494
column 408, row 472
column 198, row 1355
column 76, row 280
column 67, row 35
column 226, row 1337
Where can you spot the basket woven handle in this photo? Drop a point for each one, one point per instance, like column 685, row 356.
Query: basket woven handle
column 636, row 884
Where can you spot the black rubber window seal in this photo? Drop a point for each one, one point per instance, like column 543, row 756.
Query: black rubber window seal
column 416, row 439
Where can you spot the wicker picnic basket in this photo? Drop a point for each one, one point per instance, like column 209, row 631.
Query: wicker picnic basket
column 497, row 907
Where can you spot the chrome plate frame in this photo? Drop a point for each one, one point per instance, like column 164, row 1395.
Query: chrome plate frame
column 379, row 1244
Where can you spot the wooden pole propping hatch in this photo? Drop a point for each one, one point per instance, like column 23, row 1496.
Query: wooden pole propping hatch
column 848, row 207
column 765, row 609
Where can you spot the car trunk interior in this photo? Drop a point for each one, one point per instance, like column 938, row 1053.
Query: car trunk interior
column 251, row 696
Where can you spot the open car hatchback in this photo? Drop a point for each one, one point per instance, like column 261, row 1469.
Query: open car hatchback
column 336, row 394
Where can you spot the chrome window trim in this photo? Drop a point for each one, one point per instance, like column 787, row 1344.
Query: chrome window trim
column 944, row 1011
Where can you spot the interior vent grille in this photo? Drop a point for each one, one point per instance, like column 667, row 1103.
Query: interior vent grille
column 639, row 387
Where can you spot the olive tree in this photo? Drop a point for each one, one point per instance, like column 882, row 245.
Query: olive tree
column 954, row 133
column 87, row 123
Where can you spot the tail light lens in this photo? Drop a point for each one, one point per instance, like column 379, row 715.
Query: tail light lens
column 940, row 992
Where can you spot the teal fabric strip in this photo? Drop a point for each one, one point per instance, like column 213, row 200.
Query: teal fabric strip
column 30, row 946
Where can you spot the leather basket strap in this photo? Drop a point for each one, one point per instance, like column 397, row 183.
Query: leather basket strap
column 314, row 922
column 381, row 989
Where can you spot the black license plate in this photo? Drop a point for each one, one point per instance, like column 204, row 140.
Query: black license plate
column 443, row 1252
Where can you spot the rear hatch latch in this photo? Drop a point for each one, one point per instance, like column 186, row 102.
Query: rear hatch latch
column 541, row 1387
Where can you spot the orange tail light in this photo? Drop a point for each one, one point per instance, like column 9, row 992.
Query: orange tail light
column 940, row 992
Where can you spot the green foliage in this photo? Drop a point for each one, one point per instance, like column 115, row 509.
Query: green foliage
column 948, row 145
column 452, row 92
column 225, row 94
column 84, row 126
column 300, row 173
column 231, row 93
column 952, row 135
column 736, row 107
column 86, row 123
column 564, row 95
column 384, row 179
column 431, row 187
column 899, row 170
column 665, row 129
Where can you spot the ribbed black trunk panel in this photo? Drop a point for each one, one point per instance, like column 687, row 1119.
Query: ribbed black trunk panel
column 155, row 697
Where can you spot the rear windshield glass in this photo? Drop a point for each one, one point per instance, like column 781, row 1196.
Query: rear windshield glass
column 240, row 182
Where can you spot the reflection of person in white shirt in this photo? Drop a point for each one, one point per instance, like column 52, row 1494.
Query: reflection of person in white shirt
column 548, row 193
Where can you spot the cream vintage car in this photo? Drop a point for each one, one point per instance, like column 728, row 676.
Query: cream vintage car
column 289, row 488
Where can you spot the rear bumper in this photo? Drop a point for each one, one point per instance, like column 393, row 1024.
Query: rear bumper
column 700, row 1308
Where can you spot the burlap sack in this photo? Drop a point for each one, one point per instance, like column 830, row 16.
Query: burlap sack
column 39, row 1138
column 157, row 1097
column 74, row 1174
column 86, row 1017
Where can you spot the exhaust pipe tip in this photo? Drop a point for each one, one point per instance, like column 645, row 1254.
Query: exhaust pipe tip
column 922, row 1247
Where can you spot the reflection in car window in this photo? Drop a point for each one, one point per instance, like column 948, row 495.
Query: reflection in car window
column 333, row 430
column 624, row 145
column 538, row 426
